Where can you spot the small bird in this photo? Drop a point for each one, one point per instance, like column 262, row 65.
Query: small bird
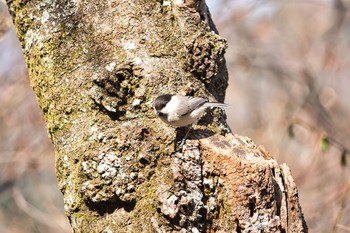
column 181, row 111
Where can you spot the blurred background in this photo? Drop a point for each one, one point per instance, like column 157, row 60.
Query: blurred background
column 30, row 200
column 289, row 67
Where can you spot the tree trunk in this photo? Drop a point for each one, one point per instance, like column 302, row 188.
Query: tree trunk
column 96, row 67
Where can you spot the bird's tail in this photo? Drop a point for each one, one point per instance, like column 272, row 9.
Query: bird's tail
column 215, row 104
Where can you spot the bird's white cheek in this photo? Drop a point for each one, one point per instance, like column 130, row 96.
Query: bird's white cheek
column 173, row 118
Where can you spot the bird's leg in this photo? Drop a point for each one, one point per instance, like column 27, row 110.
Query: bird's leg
column 185, row 137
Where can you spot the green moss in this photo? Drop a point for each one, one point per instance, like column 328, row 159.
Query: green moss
column 69, row 62
column 226, row 216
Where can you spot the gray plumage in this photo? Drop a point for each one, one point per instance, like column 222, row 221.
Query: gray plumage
column 180, row 111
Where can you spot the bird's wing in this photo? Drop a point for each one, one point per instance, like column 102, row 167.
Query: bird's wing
column 193, row 104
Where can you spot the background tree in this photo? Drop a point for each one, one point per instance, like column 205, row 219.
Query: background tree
column 95, row 69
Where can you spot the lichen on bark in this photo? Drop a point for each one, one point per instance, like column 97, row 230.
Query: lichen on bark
column 96, row 67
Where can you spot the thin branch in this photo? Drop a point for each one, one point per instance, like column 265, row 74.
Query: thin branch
column 333, row 141
column 341, row 210
column 34, row 212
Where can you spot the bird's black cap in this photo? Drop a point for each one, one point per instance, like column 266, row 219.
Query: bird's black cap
column 161, row 101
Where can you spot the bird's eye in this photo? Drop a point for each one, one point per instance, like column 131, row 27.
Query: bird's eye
column 159, row 106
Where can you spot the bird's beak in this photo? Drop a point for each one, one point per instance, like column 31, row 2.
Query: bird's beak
column 156, row 112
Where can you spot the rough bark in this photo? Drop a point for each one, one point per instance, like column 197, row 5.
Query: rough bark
column 96, row 67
